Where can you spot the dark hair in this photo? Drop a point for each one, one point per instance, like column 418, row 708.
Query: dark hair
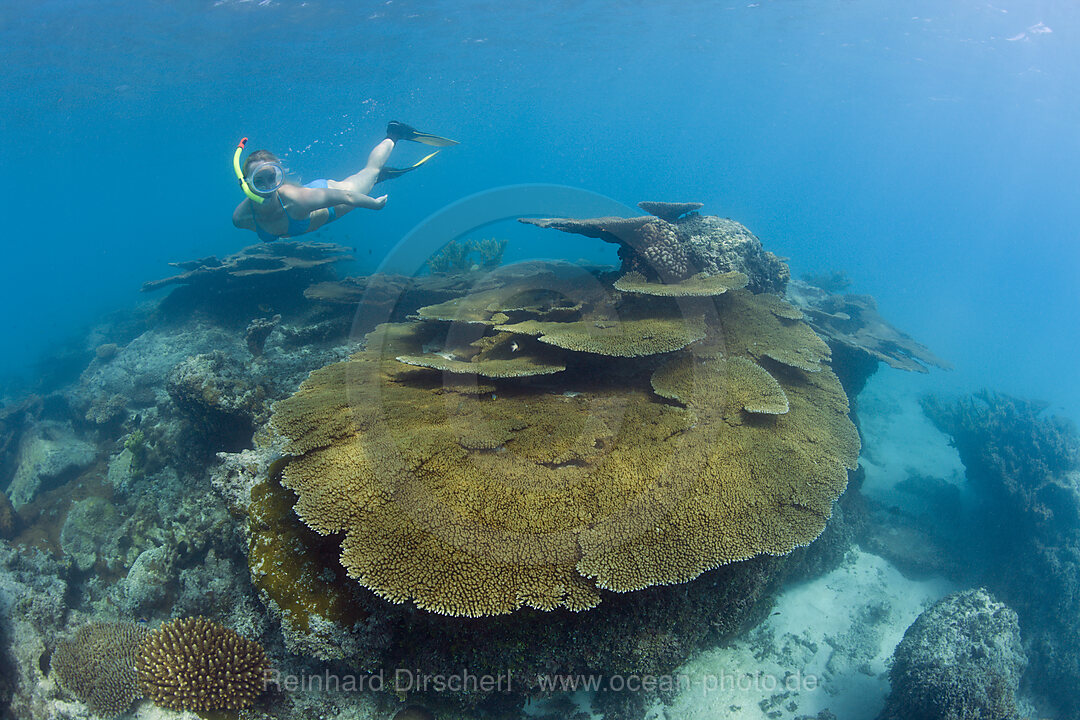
column 256, row 157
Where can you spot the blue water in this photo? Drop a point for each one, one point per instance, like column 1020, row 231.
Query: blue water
column 929, row 149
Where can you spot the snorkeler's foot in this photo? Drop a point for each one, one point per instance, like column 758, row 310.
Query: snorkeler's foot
column 400, row 131
column 389, row 173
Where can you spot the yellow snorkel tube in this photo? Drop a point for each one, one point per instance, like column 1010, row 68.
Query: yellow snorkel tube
column 240, row 173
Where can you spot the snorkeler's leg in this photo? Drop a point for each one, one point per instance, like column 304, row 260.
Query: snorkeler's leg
column 363, row 181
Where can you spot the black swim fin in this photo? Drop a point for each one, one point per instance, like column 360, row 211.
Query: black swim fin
column 389, row 173
column 400, row 131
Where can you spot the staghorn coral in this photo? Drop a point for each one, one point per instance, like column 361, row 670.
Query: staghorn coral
column 542, row 494
column 97, row 665
column 197, row 664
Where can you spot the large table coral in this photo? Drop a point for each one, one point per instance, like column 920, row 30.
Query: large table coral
column 661, row 435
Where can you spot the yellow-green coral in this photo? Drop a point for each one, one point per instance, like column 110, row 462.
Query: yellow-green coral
column 617, row 337
column 699, row 285
column 539, row 494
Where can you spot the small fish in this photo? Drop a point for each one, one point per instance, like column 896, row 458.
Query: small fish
column 513, row 347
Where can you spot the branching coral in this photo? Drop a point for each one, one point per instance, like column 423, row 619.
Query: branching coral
column 197, row 664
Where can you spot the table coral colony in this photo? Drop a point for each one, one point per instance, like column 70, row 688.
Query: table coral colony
column 562, row 431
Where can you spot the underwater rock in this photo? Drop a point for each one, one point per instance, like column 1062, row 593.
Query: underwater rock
column 258, row 330
column 553, row 488
column 105, row 410
column 15, row 420
column 138, row 373
column 671, row 245
column 89, row 532
column 960, row 659
column 48, row 453
column 9, row 521
column 122, row 470
column 147, row 583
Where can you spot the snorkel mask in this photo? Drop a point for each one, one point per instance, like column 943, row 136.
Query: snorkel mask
column 265, row 177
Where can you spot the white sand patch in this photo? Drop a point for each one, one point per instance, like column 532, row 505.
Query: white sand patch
column 899, row 441
column 826, row 645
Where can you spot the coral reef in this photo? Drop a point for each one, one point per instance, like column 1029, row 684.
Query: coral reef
column 1025, row 532
column 324, row 614
column 540, row 494
column 962, row 658
column 670, row 245
column 197, row 664
column 97, row 666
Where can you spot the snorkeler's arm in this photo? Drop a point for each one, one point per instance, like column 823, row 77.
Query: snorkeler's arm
column 312, row 199
column 242, row 217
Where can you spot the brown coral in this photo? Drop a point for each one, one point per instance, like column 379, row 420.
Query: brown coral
column 548, row 489
column 97, row 666
column 198, row 664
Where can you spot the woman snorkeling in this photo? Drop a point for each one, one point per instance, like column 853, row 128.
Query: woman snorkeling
column 275, row 209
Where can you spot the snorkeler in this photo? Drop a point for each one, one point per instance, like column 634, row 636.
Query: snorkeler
column 294, row 210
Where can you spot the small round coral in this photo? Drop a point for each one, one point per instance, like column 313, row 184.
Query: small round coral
column 198, row 664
